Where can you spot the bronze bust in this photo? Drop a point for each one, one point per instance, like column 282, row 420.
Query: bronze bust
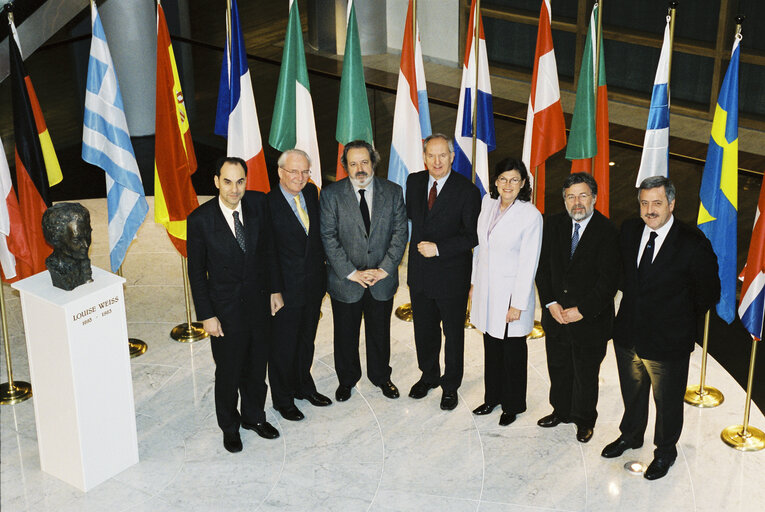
column 66, row 227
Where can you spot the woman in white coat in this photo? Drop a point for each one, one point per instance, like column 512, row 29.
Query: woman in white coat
column 502, row 286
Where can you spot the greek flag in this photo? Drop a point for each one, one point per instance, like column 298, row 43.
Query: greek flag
column 106, row 144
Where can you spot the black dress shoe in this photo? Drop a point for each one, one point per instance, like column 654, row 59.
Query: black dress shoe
column 551, row 420
column 421, row 388
column 449, row 400
column 316, row 399
column 618, row 447
column 264, row 430
column 484, row 409
column 506, row 418
column 343, row 393
column 232, row 442
column 583, row 434
column 389, row 390
column 658, row 468
column 291, row 413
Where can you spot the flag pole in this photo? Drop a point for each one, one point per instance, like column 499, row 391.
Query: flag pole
column 137, row 347
column 190, row 331
column 598, row 35
column 10, row 392
column 701, row 395
column 743, row 437
column 672, row 11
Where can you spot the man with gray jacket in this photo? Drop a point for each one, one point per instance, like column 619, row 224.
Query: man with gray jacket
column 364, row 232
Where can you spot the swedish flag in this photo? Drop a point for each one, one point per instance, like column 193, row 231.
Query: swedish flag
column 719, row 187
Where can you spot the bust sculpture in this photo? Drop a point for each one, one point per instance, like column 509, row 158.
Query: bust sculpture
column 66, row 227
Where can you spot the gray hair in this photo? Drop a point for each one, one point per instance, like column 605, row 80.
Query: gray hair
column 283, row 157
column 656, row 182
column 448, row 140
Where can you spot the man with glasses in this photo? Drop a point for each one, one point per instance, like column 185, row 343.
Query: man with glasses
column 364, row 230
column 294, row 208
column 577, row 278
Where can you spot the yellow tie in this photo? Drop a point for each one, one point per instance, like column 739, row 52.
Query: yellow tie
column 302, row 213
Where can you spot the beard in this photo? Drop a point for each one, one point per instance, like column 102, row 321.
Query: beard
column 579, row 213
column 361, row 179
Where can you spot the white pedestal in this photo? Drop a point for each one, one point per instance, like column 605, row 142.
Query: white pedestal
column 79, row 364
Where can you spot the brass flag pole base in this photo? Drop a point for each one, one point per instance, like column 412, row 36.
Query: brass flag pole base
column 746, row 440
column 184, row 334
column 15, row 393
column 468, row 325
column 404, row 312
column 137, row 347
column 537, row 331
column 706, row 398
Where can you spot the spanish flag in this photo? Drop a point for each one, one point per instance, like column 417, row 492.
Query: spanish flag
column 174, row 159
column 37, row 167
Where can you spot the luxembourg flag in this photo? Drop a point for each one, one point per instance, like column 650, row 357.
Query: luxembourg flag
column 237, row 118
column 655, row 158
column 463, row 132
column 752, row 307
column 411, row 117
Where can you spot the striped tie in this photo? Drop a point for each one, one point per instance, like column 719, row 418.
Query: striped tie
column 302, row 214
column 574, row 239
column 239, row 231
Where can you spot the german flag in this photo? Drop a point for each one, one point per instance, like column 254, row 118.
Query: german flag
column 33, row 175
column 174, row 159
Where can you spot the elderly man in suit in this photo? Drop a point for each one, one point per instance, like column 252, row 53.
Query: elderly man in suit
column 294, row 208
column 235, row 282
column 364, row 231
column 443, row 207
column 670, row 281
column 579, row 271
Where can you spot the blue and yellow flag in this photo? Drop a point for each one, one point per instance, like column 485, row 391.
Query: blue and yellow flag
column 719, row 187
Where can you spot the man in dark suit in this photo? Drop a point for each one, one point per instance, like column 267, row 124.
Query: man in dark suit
column 579, row 270
column 670, row 281
column 294, row 206
column 234, row 276
column 443, row 207
column 364, row 230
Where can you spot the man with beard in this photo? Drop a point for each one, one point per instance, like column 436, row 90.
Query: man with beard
column 577, row 278
column 364, row 231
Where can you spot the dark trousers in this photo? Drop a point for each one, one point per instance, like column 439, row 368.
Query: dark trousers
column 240, row 372
column 428, row 316
column 574, row 368
column 505, row 372
column 346, row 319
column 669, row 380
column 292, row 348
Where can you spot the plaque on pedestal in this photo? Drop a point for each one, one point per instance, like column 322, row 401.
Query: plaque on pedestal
column 79, row 365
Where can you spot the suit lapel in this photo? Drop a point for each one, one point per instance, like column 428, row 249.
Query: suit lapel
column 251, row 226
column 222, row 230
column 351, row 204
column 442, row 199
column 378, row 205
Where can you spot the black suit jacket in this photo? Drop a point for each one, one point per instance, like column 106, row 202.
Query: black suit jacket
column 301, row 257
column 451, row 225
column 661, row 308
column 225, row 282
column 588, row 281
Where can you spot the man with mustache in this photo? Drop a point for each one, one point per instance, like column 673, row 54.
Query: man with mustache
column 579, row 270
column 670, row 281
column 364, row 232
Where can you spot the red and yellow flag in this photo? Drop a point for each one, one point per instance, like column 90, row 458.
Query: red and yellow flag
column 174, row 159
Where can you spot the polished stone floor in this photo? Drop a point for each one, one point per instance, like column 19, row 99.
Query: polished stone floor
column 369, row 453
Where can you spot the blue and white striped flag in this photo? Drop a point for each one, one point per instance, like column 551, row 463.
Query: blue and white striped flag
column 655, row 158
column 106, row 144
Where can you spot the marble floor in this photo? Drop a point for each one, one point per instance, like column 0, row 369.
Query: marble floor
column 369, row 453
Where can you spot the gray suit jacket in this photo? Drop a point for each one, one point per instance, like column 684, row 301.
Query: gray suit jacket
column 347, row 245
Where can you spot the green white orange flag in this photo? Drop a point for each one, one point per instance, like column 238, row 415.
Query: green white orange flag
column 293, row 124
column 588, row 139
column 174, row 158
column 353, row 119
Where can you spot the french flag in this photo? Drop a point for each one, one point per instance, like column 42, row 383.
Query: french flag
column 545, row 127
column 411, row 117
column 463, row 132
column 655, row 158
column 237, row 118
column 752, row 307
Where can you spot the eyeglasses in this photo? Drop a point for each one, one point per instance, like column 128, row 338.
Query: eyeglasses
column 504, row 181
column 582, row 197
column 295, row 172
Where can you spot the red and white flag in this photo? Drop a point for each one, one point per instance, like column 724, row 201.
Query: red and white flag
column 13, row 242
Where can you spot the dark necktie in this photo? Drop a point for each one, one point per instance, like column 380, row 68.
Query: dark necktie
column 432, row 195
column 364, row 209
column 574, row 239
column 647, row 258
column 239, row 231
